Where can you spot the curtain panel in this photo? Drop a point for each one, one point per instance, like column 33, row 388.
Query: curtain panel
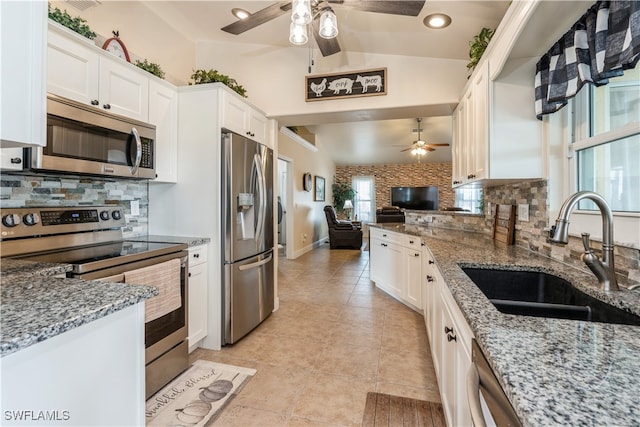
column 603, row 43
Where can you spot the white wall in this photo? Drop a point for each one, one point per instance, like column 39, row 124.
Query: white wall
column 307, row 215
column 275, row 77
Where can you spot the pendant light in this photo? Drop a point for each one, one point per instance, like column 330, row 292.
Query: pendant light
column 301, row 12
column 298, row 33
column 328, row 24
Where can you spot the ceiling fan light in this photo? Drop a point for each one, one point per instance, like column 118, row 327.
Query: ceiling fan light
column 298, row 34
column 301, row 12
column 328, row 24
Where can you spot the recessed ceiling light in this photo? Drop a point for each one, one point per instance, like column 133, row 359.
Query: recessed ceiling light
column 240, row 13
column 437, row 20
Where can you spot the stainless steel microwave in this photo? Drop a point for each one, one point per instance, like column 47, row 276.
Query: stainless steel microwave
column 85, row 140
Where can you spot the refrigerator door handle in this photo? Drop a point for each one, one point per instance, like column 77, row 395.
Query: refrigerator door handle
column 262, row 194
column 255, row 264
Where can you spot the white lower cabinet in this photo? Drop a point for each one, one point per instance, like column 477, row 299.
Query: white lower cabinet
column 450, row 341
column 396, row 266
column 198, row 293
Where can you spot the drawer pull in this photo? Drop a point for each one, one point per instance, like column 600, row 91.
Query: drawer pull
column 451, row 338
column 431, row 261
column 429, row 278
column 448, row 330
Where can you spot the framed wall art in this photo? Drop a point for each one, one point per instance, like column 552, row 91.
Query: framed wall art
column 318, row 196
column 346, row 85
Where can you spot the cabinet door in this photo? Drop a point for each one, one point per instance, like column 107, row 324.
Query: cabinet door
column 257, row 126
column 387, row 267
column 22, row 54
column 163, row 112
column 458, row 153
column 123, row 90
column 72, row 67
column 413, row 290
column 447, row 378
column 234, row 113
column 198, row 296
column 480, row 139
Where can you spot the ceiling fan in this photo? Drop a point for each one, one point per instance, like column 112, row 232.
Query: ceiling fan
column 420, row 147
column 327, row 46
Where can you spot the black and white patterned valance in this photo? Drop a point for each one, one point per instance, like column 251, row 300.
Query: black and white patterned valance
column 603, row 43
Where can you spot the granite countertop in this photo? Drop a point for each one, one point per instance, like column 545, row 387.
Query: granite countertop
column 190, row 241
column 554, row 371
column 36, row 306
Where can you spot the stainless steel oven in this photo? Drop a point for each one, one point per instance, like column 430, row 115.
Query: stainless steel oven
column 82, row 139
column 90, row 239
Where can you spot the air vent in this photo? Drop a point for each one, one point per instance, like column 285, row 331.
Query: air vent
column 83, row 5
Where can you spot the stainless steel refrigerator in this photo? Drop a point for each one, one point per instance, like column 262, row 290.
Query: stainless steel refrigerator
column 247, row 229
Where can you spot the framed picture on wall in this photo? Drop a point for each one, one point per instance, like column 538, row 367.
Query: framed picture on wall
column 318, row 196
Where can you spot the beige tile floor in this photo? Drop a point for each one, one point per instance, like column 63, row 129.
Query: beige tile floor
column 334, row 338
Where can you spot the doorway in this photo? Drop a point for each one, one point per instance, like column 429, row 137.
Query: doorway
column 283, row 206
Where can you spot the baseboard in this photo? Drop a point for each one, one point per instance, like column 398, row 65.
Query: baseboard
column 310, row 247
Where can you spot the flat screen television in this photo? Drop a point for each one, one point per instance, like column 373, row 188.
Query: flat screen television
column 416, row 198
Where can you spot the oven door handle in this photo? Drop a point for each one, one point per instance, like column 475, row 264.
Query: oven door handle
column 255, row 264
column 116, row 278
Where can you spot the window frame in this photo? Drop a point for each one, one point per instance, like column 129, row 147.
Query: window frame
column 371, row 201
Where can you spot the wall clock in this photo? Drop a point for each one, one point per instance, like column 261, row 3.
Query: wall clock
column 307, row 181
column 116, row 47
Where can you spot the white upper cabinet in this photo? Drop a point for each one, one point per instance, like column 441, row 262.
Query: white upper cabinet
column 240, row 117
column 163, row 112
column 22, row 79
column 79, row 70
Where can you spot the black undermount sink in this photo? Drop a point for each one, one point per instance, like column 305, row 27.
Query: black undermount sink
column 532, row 293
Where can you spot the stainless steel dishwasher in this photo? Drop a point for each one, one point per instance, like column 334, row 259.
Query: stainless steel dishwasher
column 486, row 395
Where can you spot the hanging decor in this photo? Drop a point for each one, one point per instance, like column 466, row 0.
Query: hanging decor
column 346, row 85
column 603, row 43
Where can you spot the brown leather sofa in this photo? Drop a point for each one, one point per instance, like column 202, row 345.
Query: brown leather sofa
column 342, row 234
column 389, row 214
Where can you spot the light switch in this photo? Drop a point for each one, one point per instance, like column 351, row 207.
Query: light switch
column 523, row 212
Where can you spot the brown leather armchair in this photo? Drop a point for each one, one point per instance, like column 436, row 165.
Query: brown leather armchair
column 342, row 234
column 389, row 214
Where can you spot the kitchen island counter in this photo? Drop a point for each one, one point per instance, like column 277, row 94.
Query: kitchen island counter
column 37, row 306
column 554, row 371
column 190, row 241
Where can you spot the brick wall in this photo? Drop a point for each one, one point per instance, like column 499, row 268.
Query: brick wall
column 403, row 175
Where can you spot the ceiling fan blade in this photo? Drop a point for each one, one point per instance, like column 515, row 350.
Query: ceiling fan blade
column 394, row 7
column 437, row 145
column 327, row 46
column 429, row 148
column 258, row 18
column 406, row 149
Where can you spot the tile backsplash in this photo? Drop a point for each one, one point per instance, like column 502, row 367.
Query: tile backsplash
column 533, row 234
column 36, row 190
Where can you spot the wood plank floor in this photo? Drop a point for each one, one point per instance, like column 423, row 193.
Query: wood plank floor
column 382, row 410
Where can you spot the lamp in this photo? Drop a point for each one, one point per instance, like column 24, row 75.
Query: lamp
column 347, row 207
column 302, row 15
column 328, row 24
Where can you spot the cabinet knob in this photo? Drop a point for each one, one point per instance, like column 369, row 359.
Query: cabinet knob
column 16, row 160
column 431, row 261
column 451, row 338
column 107, row 106
column 189, row 274
column 94, row 102
column 429, row 278
column 416, row 254
column 448, row 330
column 471, row 176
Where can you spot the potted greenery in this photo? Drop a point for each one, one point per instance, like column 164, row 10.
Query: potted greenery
column 76, row 24
column 150, row 67
column 477, row 47
column 341, row 192
column 213, row 76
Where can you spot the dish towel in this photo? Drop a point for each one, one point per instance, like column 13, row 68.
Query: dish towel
column 166, row 277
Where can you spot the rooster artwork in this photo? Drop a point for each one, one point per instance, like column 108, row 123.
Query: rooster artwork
column 341, row 85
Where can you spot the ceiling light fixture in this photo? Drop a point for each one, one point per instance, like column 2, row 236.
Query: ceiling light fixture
column 240, row 13
column 437, row 21
column 302, row 15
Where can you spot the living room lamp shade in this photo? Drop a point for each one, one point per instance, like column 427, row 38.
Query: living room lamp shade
column 347, row 205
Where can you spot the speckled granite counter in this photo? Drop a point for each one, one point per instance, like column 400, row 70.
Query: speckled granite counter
column 554, row 372
column 36, row 306
column 190, row 241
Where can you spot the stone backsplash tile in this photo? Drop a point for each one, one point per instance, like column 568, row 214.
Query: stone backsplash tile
column 50, row 191
column 400, row 175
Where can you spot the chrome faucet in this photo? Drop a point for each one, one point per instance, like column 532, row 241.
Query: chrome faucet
column 605, row 269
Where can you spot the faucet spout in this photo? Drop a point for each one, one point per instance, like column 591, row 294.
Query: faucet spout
column 605, row 269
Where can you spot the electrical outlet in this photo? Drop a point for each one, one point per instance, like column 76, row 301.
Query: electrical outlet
column 523, row 212
column 428, row 219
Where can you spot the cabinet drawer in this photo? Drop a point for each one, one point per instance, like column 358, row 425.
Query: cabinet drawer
column 387, row 236
column 413, row 242
column 197, row 255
